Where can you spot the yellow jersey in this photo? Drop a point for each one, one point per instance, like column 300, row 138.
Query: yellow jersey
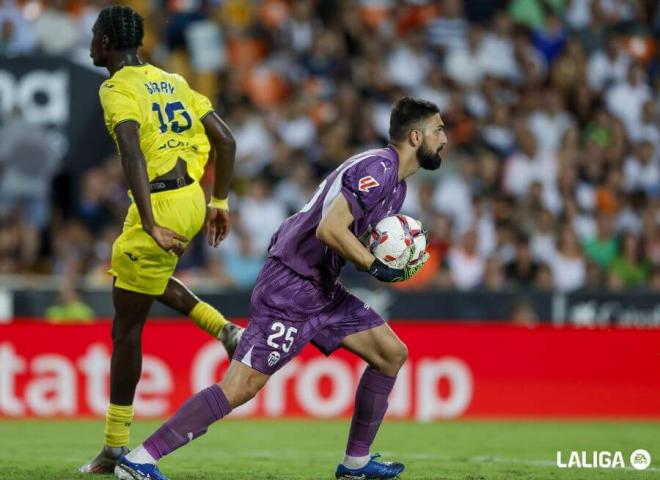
column 168, row 112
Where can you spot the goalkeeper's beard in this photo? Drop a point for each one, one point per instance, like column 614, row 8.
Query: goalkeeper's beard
column 427, row 158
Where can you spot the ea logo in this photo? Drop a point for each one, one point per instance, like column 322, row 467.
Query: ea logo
column 640, row 459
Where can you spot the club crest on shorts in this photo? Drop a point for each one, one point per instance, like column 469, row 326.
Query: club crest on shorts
column 366, row 183
column 273, row 358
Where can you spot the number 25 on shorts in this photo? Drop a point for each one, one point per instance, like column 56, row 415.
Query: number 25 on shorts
column 280, row 329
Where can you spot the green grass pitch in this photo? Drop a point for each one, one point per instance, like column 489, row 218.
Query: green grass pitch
column 279, row 450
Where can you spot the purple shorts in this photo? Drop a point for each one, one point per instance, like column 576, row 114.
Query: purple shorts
column 288, row 311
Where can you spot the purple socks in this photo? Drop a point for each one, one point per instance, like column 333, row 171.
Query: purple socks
column 189, row 422
column 210, row 405
column 370, row 408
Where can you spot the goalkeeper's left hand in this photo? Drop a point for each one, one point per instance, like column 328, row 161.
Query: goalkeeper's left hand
column 388, row 274
column 411, row 270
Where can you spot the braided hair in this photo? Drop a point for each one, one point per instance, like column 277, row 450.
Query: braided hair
column 123, row 26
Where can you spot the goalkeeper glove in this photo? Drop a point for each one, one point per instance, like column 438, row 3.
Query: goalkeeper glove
column 388, row 274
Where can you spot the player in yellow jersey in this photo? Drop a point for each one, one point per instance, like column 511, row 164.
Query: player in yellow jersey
column 165, row 133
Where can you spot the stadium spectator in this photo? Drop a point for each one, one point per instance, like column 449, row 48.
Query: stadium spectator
column 523, row 314
column 466, row 64
column 522, row 268
column 603, row 247
column 449, row 29
column 550, row 39
column 261, row 215
column 544, row 279
column 497, row 132
column 16, row 34
column 654, row 280
column 494, row 279
column 453, row 195
column 569, row 70
column 466, row 264
column 55, row 30
column 626, row 99
column 608, row 67
column 408, row 64
column 550, row 122
column 641, row 170
column 568, row 265
column 630, row 267
column 649, row 125
column 70, row 308
column 239, row 263
column 594, row 277
column 542, row 240
column 254, row 141
column 527, row 165
column 28, row 161
column 19, row 243
column 295, row 190
column 498, row 50
column 93, row 210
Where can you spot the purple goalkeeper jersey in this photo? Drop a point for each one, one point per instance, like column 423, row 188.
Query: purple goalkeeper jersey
column 369, row 182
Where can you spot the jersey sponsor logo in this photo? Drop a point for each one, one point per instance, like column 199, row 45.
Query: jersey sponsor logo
column 173, row 143
column 367, row 183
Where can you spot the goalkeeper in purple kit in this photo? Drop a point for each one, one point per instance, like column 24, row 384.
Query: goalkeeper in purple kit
column 297, row 298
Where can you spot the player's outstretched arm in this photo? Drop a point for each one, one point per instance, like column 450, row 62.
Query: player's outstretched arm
column 135, row 169
column 333, row 230
column 223, row 151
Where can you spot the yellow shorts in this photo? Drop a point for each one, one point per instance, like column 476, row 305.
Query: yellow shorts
column 138, row 263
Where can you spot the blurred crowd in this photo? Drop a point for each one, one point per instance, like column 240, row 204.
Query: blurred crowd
column 551, row 178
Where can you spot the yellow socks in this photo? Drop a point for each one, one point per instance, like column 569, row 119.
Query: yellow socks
column 118, row 420
column 208, row 318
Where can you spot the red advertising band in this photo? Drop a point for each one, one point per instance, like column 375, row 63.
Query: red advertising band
column 454, row 371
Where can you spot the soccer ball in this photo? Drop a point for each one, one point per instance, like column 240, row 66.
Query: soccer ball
column 390, row 238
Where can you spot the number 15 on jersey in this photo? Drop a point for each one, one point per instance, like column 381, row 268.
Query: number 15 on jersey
column 174, row 111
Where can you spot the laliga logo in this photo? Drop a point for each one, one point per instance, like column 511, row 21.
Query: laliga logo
column 639, row 460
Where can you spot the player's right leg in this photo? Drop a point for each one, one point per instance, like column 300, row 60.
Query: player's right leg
column 385, row 354
column 178, row 297
column 240, row 384
column 131, row 310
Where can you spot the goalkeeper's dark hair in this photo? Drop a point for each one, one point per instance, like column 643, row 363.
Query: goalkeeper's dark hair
column 123, row 26
column 408, row 112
